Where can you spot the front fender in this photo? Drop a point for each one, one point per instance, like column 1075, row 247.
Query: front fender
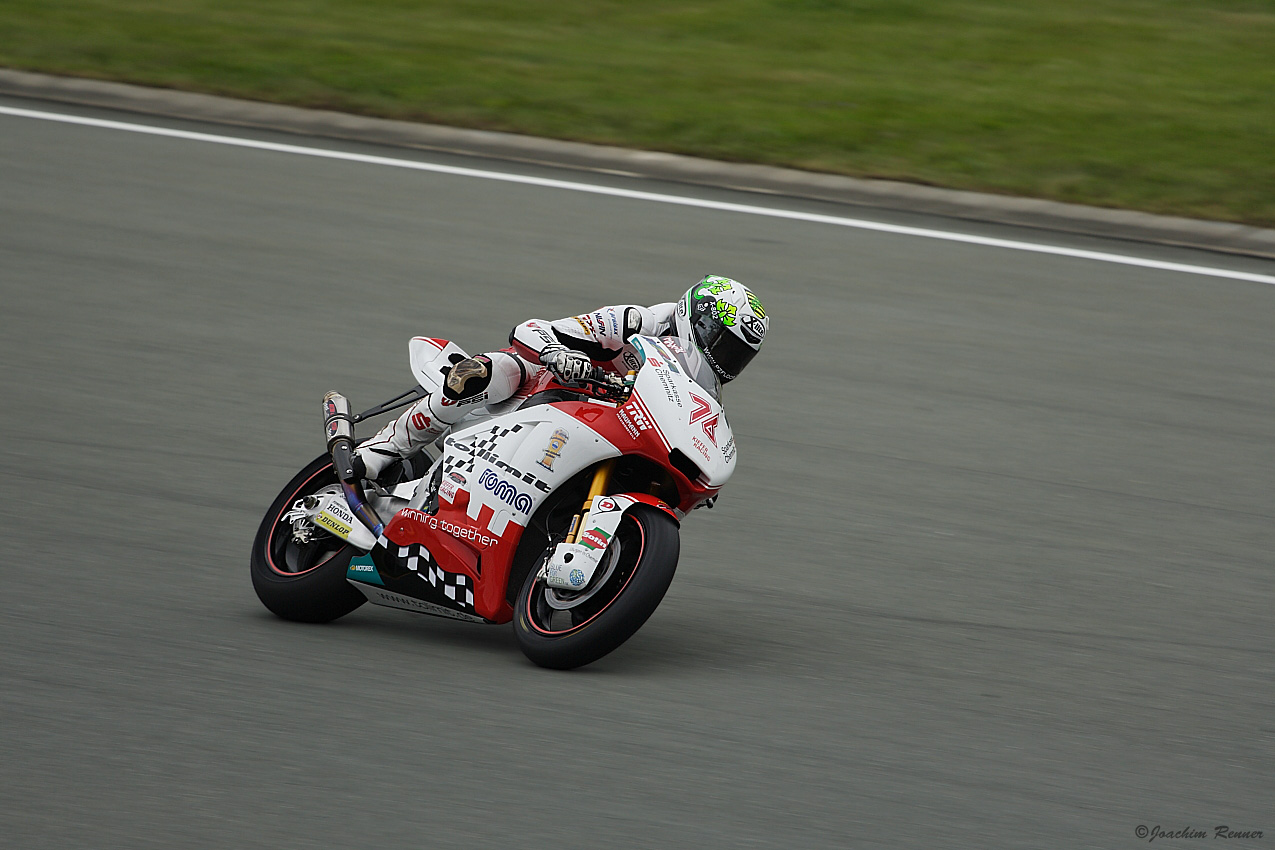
column 571, row 566
column 653, row 501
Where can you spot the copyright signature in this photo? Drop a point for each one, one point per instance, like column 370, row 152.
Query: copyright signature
column 1151, row 833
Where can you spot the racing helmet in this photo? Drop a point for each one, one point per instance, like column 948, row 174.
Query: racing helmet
column 722, row 320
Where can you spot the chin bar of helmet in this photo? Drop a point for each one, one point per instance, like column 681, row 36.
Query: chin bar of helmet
column 339, row 429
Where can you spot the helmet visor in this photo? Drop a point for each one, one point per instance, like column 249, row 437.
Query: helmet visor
column 724, row 351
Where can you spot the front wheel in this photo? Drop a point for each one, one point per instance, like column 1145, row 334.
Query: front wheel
column 299, row 573
column 564, row 629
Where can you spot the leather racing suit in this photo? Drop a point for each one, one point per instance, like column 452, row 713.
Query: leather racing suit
column 500, row 380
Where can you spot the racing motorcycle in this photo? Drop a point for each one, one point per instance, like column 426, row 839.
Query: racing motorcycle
column 560, row 514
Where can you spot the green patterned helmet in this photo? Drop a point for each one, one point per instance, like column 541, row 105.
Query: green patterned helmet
column 725, row 323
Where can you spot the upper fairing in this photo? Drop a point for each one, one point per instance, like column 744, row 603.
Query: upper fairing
column 689, row 418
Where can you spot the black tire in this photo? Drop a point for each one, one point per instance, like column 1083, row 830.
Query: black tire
column 615, row 604
column 303, row 582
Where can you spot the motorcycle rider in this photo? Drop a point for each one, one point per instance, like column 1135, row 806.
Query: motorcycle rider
column 718, row 325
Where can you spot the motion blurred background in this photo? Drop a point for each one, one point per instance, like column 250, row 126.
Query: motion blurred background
column 1166, row 106
column 994, row 569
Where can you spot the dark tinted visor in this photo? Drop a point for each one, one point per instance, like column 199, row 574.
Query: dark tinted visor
column 725, row 352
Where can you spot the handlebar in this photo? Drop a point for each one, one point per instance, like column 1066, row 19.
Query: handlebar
column 605, row 385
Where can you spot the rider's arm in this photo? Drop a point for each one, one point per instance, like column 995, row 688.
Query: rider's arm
column 531, row 338
column 600, row 334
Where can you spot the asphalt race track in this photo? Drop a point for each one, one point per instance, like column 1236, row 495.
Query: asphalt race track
column 994, row 571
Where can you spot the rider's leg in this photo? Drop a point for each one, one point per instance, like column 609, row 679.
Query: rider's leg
column 482, row 380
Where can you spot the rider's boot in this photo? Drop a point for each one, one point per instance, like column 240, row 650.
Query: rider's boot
column 416, row 428
column 481, row 380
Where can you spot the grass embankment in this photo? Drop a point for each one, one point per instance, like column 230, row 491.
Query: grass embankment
column 1159, row 105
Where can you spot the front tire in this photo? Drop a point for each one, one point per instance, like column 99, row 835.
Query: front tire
column 566, row 630
column 303, row 581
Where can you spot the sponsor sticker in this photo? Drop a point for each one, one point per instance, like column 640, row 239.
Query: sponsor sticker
column 670, row 391
column 407, row 603
column 450, row 486
column 754, row 329
column 340, row 529
column 627, row 423
column 594, row 538
column 361, row 569
column 728, row 450
column 634, row 419
column 554, row 450
column 505, row 492
column 605, row 505
column 670, row 361
column 460, row 532
column 544, row 335
column 337, row 518
column 447, row 402
column 576, row 577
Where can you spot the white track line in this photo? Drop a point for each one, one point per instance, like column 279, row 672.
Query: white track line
column 678, row 200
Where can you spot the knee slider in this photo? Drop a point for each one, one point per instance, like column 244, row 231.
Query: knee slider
column 467, row 378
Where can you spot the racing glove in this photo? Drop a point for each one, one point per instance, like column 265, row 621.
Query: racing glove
column 567, row 365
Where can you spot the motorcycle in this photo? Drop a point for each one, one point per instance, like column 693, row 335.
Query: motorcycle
column 561, row 513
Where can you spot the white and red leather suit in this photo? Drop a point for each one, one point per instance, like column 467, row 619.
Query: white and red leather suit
column 510, row 373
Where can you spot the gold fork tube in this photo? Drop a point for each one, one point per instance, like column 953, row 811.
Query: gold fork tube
column 601, row 478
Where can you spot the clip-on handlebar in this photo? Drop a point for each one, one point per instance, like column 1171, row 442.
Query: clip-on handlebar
column 604, row 385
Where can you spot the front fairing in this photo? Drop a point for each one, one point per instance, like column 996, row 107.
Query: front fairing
column 690, row 419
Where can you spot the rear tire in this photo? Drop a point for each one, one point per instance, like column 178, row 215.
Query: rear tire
column 612, row 607
column 303, row 582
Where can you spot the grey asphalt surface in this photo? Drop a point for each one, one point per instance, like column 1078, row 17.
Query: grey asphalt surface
column 994, row 571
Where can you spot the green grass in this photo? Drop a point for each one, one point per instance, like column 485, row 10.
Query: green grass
column 1160, row 105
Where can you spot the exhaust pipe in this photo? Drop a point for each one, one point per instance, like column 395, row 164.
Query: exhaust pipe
column 339, row 428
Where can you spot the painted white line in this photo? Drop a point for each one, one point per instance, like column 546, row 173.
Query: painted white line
column 746, row 209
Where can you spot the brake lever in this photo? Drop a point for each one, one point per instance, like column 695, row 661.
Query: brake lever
column 606, row 386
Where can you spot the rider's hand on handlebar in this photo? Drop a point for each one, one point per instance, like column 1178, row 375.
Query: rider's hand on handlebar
column 567, row 365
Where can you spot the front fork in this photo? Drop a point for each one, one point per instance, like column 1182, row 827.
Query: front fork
column 601, row 480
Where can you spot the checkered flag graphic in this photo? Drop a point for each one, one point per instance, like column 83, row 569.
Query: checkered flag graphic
column 457, row 587
column 484, row 448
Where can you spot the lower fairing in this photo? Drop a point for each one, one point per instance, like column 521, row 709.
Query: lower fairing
column 408, row 577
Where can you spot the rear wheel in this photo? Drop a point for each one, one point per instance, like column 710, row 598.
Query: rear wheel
column 564, row 629
column 301, row 576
